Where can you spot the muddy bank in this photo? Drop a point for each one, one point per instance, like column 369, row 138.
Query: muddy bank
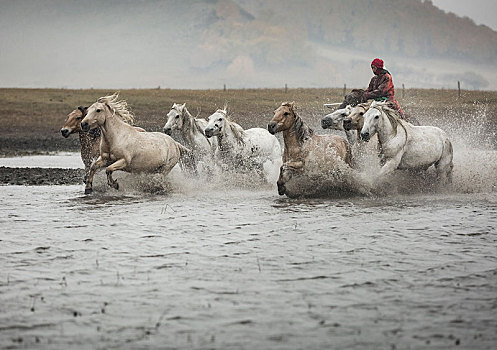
column 40, row 176
column 36, row 143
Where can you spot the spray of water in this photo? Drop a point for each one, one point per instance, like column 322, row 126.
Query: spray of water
column 475, row 169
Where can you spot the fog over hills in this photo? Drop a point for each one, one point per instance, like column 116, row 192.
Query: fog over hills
column 240, row 43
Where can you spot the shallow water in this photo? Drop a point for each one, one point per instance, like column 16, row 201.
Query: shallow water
column 229, row 264
column 66, row 160
column 210, row 265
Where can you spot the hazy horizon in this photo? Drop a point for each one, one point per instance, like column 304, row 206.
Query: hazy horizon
column 126, row 44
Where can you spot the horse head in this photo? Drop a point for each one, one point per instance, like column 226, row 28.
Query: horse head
column 106, row 106
column 373, row 120
column 283, row 119
column 175, row 118
column 95, row 116
column 355, row 120
column 217, row 123
column 73, row 121
column 335, row 120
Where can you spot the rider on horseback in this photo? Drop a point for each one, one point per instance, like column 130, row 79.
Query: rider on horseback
column 381, row 87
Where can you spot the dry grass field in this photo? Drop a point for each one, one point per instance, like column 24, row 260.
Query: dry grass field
column 30, row 119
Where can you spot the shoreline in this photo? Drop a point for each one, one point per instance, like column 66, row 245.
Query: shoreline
column 40, row 176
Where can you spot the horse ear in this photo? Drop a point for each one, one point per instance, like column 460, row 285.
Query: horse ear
column 83, row 109
column 292, row 104
column 111, row 109
column 183, row 105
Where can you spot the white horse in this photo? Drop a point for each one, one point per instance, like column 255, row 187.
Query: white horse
column 405, row 146
column 191, row 134
column 335, row 120
column 123, row 147
column 244, row 150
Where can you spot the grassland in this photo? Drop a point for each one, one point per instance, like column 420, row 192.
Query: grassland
column 30, row 119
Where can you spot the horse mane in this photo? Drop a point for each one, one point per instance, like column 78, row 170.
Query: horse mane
column 119, row 107
column 391, row 114
column 236, row 129
column 302, row 130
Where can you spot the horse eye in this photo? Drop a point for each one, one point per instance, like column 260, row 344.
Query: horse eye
column 99, row 110
column 220, row 119
column 79, row 118
column 285, row 114
column 377, row 117
column 177, row 117
column 362, row 113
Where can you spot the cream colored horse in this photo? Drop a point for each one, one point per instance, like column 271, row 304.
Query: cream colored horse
column 305, row 153
column 125, row 148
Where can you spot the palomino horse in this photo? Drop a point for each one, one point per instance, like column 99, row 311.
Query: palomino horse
column 405, row 146
column 90, row 141
column 191, row 135
column 304, row 151
column 244, row 150
column 355, row 120
column 123, row 147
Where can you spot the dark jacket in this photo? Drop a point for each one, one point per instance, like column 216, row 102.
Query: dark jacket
column 381, row 86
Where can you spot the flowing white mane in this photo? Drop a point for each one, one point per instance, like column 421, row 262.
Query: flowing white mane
column 119, row 107
column 392, row 115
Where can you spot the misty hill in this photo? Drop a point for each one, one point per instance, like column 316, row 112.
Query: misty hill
column 241, row 43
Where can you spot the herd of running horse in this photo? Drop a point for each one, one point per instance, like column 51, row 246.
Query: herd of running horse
column 109, row 139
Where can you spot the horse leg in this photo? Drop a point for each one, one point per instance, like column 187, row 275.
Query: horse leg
column 286, row 173
column 97, row 164
column 118, row 165
column 444, row 165
column 87, row 173
column 389, row 166
column 281, row 182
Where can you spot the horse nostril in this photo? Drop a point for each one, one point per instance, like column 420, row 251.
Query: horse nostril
column 167, row 131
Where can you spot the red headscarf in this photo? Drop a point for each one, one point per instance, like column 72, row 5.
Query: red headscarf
column 377, row 63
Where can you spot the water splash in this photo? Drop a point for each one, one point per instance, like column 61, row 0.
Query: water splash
column 475, row 169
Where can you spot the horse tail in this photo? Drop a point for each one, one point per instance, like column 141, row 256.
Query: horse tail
column 183, row 151
column 186, row 158
column 445, row 164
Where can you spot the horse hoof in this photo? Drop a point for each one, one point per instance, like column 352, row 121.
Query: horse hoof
column 88, row 190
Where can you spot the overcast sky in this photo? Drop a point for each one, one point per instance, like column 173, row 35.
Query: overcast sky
column 480, row 11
